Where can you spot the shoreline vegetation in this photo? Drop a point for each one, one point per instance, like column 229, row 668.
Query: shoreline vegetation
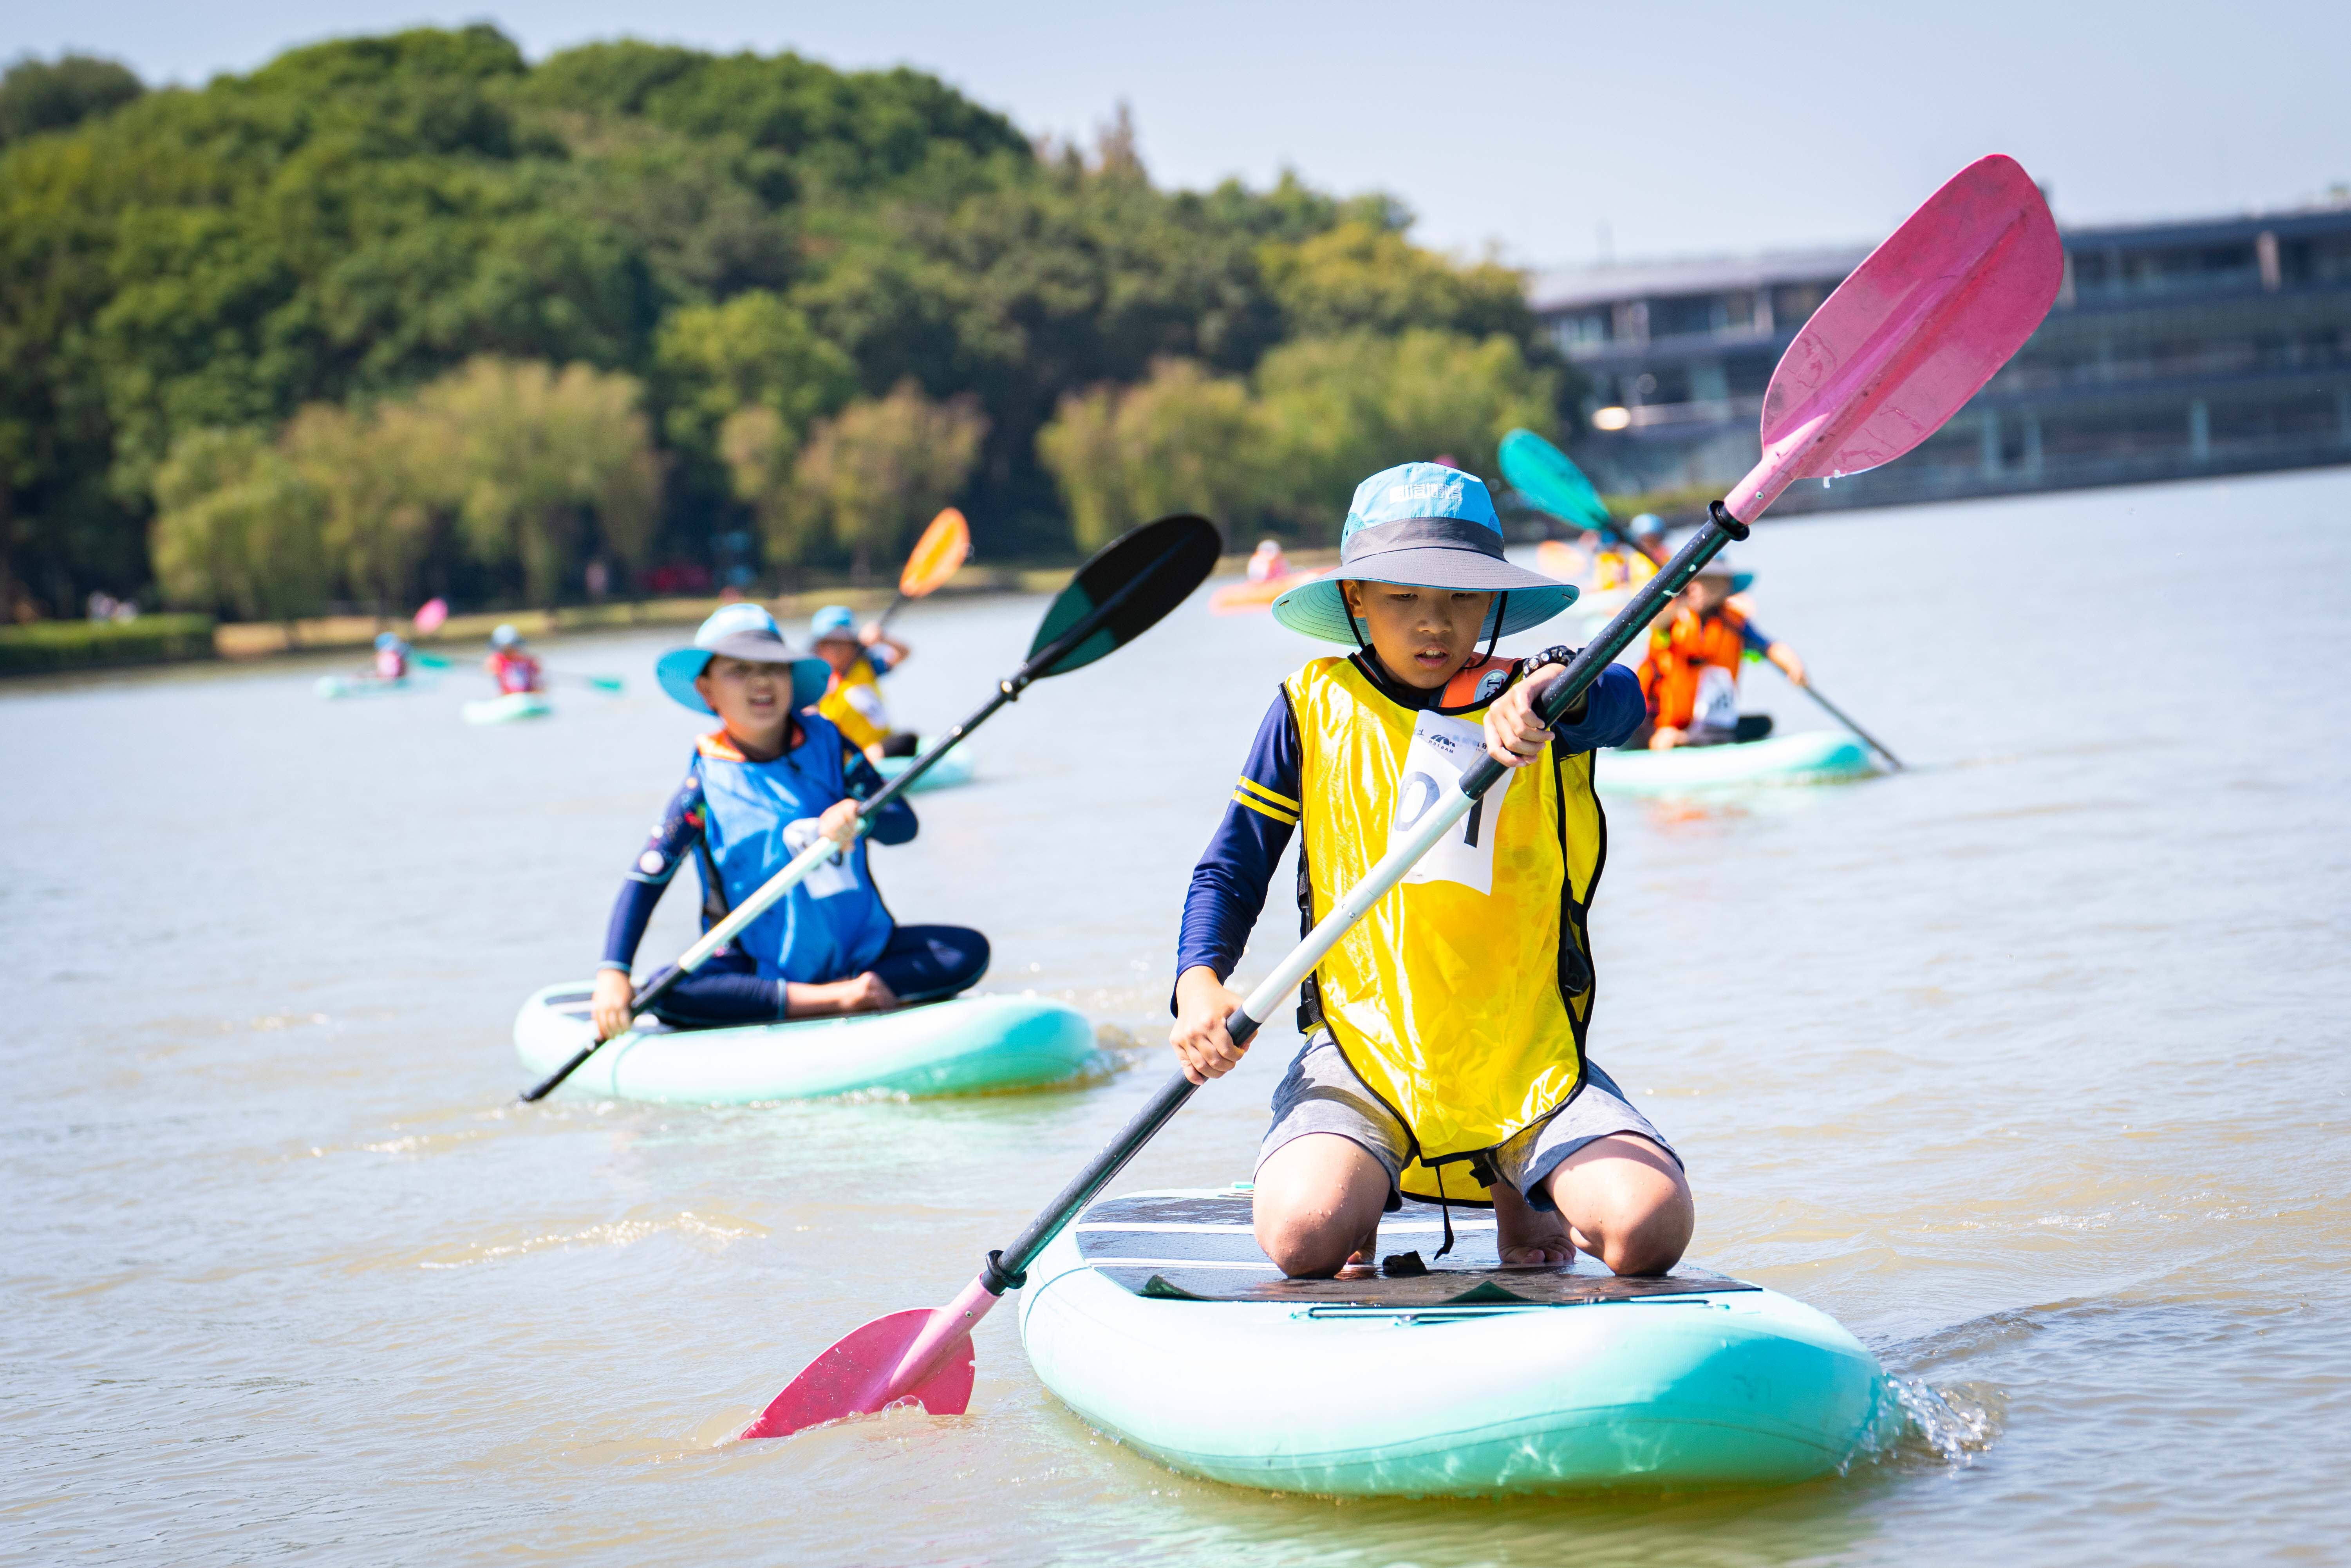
column 408, row 316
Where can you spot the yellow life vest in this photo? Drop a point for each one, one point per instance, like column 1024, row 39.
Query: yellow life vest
column 854, row 703
column 1462, row 998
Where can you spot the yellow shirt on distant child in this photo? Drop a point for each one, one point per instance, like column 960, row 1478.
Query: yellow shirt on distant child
column 854, row 703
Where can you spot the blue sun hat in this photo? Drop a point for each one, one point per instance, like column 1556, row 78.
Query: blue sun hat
column 739, row 631
column 833, row 621
column 1423, row 525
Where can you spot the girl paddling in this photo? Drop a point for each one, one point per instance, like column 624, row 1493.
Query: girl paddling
column 1444, row 1057
column 759, row 789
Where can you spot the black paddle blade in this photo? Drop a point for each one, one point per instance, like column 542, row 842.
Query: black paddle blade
column 1138, row 577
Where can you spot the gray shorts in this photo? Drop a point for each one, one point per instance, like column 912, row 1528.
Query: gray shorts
column 1321, row 1094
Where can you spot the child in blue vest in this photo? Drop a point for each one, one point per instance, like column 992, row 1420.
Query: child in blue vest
column 1444, row 1057
column 763, row 786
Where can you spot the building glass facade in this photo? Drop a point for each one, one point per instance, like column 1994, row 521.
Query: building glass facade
column 2174, row 349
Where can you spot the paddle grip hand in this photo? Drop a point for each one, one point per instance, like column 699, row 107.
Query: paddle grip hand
column 1202, row 1038
column 1515, row 734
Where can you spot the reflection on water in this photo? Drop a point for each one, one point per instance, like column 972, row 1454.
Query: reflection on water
column 2025, row 1064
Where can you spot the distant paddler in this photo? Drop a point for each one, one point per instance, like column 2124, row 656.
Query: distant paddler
column 858, row 658
column 775, row 777
column 1691, row 674
column 512, row 664
column 391, row 657
column 1630, row 559
column 1268, row 576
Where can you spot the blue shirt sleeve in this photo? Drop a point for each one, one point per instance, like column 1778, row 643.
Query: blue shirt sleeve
column 1228, row 886
column 881, row 659
column 1614, row 708
column 1756, row 638
column 673, row 838
column 893, row 823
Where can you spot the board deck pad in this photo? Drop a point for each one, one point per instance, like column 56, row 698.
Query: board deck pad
column 1199, row 1248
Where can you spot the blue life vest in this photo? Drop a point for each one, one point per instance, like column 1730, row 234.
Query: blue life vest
column 761, row 814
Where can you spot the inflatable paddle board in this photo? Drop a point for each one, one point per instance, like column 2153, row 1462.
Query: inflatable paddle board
column 335, row 687
column 1819, row 757
column 508, row 708
column 954, row 768
column 969, row 1045
column 1155, row 1317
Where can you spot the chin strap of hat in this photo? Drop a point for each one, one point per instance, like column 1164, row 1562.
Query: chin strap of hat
column 1501, row 604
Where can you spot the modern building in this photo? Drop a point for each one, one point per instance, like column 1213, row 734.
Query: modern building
column 2175, row 350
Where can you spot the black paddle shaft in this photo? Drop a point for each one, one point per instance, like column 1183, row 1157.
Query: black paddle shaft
column 1008, row 1269
column 1037, row 664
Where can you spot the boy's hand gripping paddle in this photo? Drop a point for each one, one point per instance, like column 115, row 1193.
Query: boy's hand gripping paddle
column 937, row 555
column 1894, row 352
column 1127, row 587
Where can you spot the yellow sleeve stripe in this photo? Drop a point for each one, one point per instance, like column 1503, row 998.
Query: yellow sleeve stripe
column 1262, row 809
column 1260, row 791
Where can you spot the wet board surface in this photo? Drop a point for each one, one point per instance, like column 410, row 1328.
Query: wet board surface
column 1201, row 1248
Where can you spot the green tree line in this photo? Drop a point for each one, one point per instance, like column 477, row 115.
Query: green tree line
column 408, row 313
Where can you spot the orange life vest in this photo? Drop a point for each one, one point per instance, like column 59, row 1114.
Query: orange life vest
column 1679, row 652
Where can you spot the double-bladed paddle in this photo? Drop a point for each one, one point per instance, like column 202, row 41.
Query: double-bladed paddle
column 1895, row 351
column 1127, row 588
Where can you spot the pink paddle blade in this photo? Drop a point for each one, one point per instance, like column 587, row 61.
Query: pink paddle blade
column 1912, row 334
column 924, row 1356
column 430, row 616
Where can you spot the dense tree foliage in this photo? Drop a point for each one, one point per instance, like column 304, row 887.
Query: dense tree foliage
column 259, row 281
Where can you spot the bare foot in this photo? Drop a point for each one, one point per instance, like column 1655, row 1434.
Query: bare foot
column 867, row 993
column 1524, row 1235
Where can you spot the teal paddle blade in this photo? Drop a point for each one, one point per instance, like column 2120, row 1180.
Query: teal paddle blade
column 1547, row 479
column 1137, row 578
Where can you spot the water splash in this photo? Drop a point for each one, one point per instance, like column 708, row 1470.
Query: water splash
column 1918, row 1425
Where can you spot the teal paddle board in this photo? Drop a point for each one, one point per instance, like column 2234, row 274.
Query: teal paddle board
column 1155, row 1317
column 968, row 1045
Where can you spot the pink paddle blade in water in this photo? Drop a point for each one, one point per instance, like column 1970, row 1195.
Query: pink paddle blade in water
column 1913, row 334
column 924, row 1356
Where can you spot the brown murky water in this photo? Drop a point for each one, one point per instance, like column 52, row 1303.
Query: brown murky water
column 2028, row 1065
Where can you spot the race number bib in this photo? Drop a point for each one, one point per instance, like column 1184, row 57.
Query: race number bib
column 832, row 876
column 867, row 701
column 1442, row 749
column 1717, row 705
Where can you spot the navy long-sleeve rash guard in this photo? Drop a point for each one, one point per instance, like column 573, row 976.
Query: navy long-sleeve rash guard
column 1228, row 886
column 680, row 831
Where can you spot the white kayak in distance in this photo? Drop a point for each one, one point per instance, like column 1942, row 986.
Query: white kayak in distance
column 1817, row 756
column 953, row 769
column 508, row 708
column 968, row 1045
column 1155, row 1317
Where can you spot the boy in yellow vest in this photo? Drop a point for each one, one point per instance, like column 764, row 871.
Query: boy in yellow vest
column 1444, row 1057
column 853, row 699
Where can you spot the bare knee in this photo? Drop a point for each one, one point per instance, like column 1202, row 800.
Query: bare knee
column 1648, row 1240
column 1304, row 1245
column 1626, row 1204
column 1317, row 1196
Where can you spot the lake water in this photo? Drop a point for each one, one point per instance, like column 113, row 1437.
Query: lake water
column 2029, row 1065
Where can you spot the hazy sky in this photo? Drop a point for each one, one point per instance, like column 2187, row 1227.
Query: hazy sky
column 1684, row 129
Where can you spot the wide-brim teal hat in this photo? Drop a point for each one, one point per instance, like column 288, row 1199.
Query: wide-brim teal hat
column 739, row 631
column 1721, row 566
column 1423, row 525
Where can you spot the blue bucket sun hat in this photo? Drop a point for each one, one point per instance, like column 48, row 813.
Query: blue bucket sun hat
column 1423, row 525
column 833, row 621
column 739, row 631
